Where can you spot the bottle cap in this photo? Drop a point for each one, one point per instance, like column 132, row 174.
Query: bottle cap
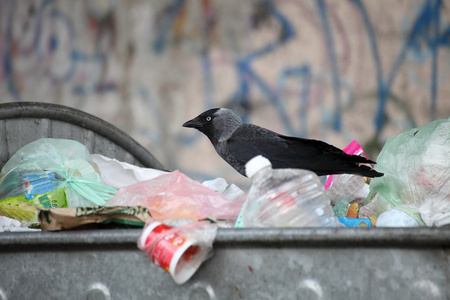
column 255, row 164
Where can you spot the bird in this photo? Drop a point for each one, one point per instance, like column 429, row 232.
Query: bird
column 237, row 142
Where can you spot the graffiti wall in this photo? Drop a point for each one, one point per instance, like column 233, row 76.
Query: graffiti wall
column 323, row 69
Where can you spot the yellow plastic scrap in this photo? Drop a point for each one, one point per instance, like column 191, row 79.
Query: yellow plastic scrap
column 24, row 208
column 19, row 210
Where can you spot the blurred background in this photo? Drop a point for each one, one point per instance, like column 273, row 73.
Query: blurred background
column 332, row 70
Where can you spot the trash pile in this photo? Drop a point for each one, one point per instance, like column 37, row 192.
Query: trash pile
column 415, row 188
column 56, row 184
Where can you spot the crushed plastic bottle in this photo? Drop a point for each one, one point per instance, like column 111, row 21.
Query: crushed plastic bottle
column 285, row 198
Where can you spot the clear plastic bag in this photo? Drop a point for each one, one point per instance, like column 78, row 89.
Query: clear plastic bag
column 50, row 164
column 174, row 195
column 416, row 167
column 352, row 187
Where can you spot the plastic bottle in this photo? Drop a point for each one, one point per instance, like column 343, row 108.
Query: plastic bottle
column 285, row 198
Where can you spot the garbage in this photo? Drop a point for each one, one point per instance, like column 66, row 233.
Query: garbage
column 353, row 210
column 174, row 195
column 93, row 217
column 24, row 208
column 220, row 185
column 49, row 164
column 285, row 198
column 341, row 207
column 119, row 174
column 353, row 187
column 12, row 225
column 178, row 250
column 24, row 182
column 348, row 214
column 435, row 211
column 58, row 183
column 416, row 165
column 355, row 222
column 402, row 216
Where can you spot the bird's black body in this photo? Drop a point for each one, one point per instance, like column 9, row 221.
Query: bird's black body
column 237, row 143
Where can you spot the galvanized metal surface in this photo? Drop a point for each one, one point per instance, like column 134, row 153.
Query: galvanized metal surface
column 301, row 263
column 24, row 122
column 322, row 263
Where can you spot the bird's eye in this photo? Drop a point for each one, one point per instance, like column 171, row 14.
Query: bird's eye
column 208, row 118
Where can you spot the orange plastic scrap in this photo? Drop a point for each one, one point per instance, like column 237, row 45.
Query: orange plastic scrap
column 353, row 210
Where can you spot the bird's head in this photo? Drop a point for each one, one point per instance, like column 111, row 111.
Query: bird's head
column 218, row 124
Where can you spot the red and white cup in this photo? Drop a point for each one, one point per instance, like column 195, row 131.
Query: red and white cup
column 180, row 256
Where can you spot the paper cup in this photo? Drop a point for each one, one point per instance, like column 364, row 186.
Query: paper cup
column 180, row 256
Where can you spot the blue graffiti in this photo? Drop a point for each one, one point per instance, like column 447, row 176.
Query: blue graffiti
column 68, row 74
column 160, row 42
column 424, row 32
column 44, row 50
column 427, row 34
column 246, row 75
column 303, row 73
column 333, row 61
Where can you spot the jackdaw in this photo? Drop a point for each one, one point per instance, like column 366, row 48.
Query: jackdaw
column 237, row 142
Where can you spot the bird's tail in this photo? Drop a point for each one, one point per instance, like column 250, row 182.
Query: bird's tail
column 366, row 171
column 361, row 159
column 358, row 165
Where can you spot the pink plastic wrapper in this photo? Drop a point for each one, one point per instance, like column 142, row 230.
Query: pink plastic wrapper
column 354, row 148
column 174, row 195
column 178, row 250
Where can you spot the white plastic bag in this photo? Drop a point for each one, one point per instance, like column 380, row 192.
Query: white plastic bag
column 416, row 167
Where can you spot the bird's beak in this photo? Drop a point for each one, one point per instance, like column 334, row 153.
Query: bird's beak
column 194, row 123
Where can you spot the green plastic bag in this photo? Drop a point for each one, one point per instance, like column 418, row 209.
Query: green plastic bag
column 416, row 167
column 50, row 164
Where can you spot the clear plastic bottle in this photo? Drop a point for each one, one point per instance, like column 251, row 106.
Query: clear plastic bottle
column 285, row 198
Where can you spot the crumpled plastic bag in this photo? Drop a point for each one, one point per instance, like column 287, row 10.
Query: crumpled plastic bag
column 352, row 187
column 174, row 195
column 118, row 174
column 220, row 185
column 416, row 167
column 12, row 225
column 49, row 164
column 401, row 216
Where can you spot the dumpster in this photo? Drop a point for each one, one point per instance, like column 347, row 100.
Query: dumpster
column 248, row 263
column 24, row 122
column 285, row 263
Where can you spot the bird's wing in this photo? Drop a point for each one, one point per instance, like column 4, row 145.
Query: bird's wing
column 290, row 152
column 249, row 141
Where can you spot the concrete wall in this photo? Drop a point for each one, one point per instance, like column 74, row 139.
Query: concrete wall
column 331, row 70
